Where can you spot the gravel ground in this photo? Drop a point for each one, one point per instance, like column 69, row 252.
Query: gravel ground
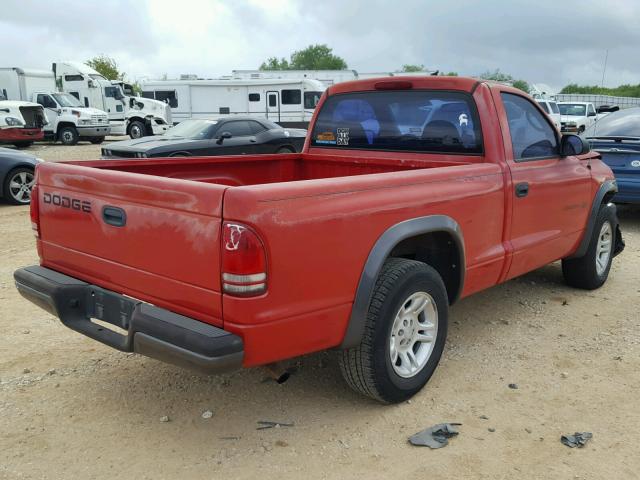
column 73, row 408
column 56, row 152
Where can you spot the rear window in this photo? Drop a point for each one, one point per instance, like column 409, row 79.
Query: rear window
column 411, row 120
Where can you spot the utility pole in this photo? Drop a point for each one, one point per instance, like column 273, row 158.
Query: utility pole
column 605, row 67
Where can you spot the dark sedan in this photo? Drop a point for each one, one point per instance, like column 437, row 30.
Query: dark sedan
column 617, row 138
column 16, row 175
column 228, row 136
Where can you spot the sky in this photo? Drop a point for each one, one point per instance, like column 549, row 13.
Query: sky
column 552, row 42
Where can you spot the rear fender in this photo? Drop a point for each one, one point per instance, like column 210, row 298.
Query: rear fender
column 379, row 254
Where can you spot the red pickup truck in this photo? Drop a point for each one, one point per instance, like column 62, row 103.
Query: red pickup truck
column 408, row 195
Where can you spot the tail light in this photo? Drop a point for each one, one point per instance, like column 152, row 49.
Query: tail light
column 244, row 263
column 35, row 211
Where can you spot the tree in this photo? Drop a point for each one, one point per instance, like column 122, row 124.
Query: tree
column 106, row 66
column 314, row 57
column 272, row 63
column 498, row 76
column 522, row 85
column 412, row 68
column 451, row 74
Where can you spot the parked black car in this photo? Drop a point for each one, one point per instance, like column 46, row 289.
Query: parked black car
column 228, row 136
column 16, row 175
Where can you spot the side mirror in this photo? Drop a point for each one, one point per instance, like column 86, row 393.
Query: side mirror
column 591, row 114
column 222, row 137
column 573, row 145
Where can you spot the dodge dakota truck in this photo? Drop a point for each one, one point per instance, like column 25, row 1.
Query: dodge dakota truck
column 408, row 195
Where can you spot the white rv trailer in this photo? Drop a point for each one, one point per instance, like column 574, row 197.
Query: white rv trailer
column 288, row 102
column 327, row 77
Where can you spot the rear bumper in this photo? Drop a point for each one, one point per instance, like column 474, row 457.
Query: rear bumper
column 147, row 330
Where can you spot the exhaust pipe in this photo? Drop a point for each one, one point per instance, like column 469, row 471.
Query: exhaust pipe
column 277, row 371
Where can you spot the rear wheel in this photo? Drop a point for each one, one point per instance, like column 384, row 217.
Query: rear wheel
column 592, row 270
column 405, row 333
column 68, row 135
column 96, row 140
column 137, row 129
column 18, row 185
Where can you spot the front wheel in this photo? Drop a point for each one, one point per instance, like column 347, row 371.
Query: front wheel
column 285, row 150
column 68, row 135
column 22, row 144
column 592, row 270
column 405, row 333
column 137, row 129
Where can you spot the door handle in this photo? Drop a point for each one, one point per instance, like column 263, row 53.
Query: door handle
column 114, row 216
column 522, row 189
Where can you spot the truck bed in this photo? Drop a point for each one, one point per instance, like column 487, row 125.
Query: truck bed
column 264, row 169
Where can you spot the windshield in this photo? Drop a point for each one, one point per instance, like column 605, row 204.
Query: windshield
column 625, row 123
column 66, row 100
column 194, row 129
column 427, row 121
column 574, row 109
column 554, row 107
column 311, row 99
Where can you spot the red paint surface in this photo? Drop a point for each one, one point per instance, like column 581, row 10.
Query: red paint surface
column 318, row 213
column 10, row 135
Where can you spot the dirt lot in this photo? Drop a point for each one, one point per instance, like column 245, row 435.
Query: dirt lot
column 72, row 408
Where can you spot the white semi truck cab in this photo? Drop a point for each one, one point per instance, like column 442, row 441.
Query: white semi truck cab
column 67, row 119
column 128, row 114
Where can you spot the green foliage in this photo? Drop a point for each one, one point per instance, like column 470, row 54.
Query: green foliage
column 272, row 63
column 314, row 57
column 498, row 76
column 450, row 74
column 412, row 68
column 522, row 85
column 106, row 66
column 620, row 91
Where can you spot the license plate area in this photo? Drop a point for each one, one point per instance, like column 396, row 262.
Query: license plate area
column 109, row 307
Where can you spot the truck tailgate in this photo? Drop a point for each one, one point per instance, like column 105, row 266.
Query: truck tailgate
column 166, row 252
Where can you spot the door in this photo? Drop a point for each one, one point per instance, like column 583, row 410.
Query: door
column 50, row 110
column 273, row 106
column 550, row 194
column 241, row 142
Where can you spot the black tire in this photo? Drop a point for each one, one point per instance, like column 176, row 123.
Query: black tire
column 12, row 195
column 136, row 129
column 285, row 150
column 22, row 144
column 68, row 135
column 96, row 140
column 368, row 368
column 583, row 272
column 581, row 129
column 180, row 154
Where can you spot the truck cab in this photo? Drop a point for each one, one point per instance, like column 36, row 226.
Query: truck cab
column 576, row 117
column 21, row 123
column 69, row 121
column 128, row 115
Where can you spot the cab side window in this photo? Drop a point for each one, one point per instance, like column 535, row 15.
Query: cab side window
column 532, row 137
column 591, row 110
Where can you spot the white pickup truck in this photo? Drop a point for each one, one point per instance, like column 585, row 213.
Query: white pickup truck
column 576, row 117
column 68, row 120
